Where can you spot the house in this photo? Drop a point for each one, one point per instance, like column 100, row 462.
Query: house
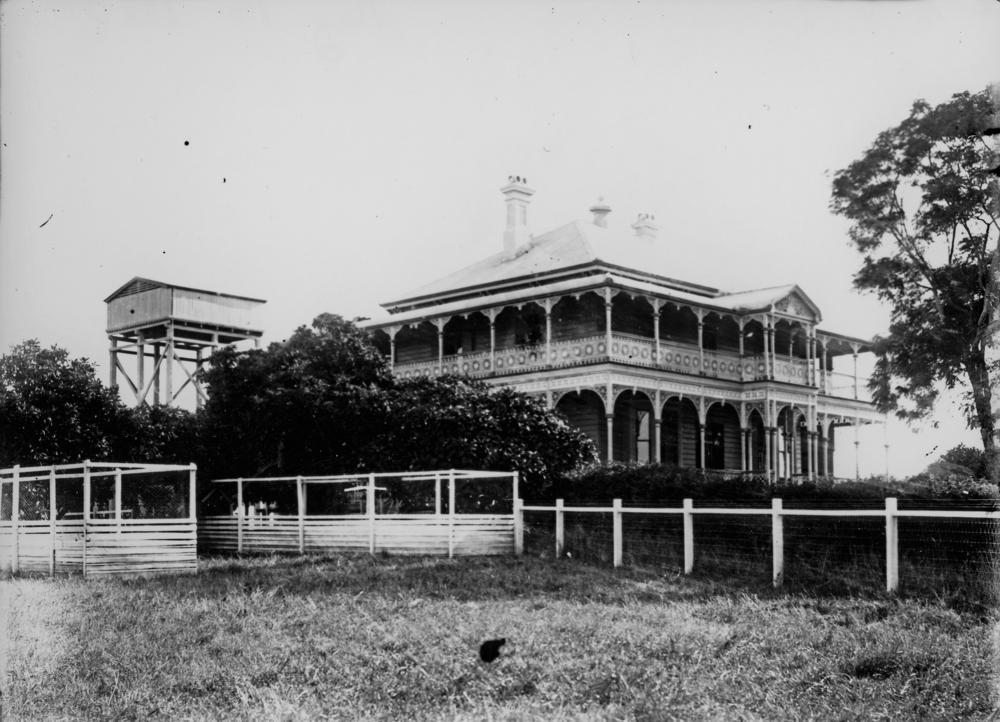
column 653, row 369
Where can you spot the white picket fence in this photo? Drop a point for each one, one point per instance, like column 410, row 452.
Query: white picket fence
column 891, row 513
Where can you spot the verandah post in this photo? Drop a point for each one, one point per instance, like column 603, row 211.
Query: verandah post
column 301, row 503
column 370, row 503
column 52, row 521
column 240, row 511
column 15, row 518
column 777, row 543
column 688, row 536
column 891, row 545
column 616, row 533
column 560, row 537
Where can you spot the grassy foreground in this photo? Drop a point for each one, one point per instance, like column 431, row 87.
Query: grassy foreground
column 353, row 637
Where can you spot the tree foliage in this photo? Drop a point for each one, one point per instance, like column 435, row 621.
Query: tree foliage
column 454, row 422
column 53, row 409
column 922, row 206
column 323, row 402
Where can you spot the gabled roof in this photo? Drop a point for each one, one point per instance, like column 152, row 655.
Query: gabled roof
column 139, row 284
column 788, row 299
column 576, row 245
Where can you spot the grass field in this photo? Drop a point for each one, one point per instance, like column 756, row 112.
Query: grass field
column 393, row 637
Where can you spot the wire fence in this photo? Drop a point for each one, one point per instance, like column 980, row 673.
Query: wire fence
column 98, row 518
column 435, row 512
column 847, row 548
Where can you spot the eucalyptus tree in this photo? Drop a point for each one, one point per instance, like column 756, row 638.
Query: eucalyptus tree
column 922, row 202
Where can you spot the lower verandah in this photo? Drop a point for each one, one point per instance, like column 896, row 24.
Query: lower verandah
column 720, row 443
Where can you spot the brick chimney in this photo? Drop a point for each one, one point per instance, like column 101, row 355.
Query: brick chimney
column 644, row 226
column 600, row 211
column 517, row 194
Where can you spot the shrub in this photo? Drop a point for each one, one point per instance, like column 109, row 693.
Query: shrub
column 667, row 484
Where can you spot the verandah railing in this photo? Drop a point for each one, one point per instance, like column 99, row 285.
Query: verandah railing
column 777, row 513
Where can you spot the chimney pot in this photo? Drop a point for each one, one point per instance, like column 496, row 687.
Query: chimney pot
column 644, row 226
column 600, row 211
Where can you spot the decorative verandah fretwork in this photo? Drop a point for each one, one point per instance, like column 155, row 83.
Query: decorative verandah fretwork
column 680, row 377
column 567, row 326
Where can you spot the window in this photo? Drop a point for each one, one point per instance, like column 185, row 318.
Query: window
column 642, row 437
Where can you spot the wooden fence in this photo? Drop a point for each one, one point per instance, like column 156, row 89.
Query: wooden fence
column 95, row 537
column 777, row 513
column 252, row 527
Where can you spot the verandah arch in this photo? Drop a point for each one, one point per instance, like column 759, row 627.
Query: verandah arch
column 680, row 442
column 722, row 437
column 793, row 443
column 634, row 428
column 584, row 410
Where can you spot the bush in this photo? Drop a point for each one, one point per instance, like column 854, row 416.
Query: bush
column 666, row 484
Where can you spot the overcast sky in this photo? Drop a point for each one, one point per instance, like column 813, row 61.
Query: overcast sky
column 327, row 156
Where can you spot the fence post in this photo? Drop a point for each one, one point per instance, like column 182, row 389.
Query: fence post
column 518, row 513
column 371, row 513
column 688, row 536
column 560, row 532
column 118, row 502
column 777, row 543
column 86, row 511
column 300, row 498
column 451, row 513
column 193, row 494
column 437, row 493
column 518, row 526
column 616, row 533
column 240, row 512
column 891, row 546
column 52, row 520
column 15, row 518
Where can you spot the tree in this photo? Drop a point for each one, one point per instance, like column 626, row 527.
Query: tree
column 324, row 402
column 301, row 406
column 157, row 435
column 455, row 422
column 53, row 409
column 921, row 202
column 966, row 457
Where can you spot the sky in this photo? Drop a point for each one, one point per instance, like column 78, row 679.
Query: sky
column 328, row 156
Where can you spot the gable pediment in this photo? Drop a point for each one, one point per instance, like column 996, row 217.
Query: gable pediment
column 796, row 304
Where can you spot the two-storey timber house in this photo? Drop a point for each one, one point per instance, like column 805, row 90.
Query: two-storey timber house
column 651, row 368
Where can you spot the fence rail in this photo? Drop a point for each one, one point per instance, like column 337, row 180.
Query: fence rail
column 98, row 519
column 414, row 512
column 891, row 513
